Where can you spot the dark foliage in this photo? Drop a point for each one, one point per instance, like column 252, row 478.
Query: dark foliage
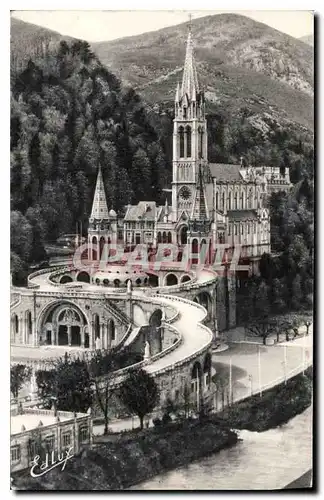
column 68, row 116
column 18, row 375
column 139, row 393
column 68, row 386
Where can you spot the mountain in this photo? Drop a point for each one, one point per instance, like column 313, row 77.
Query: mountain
column 240, row 62
column 30, row 41
column 309, row 39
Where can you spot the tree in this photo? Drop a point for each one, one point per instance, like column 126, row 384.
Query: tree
column 69, row 384
column 18, row 375
column 261, row 326
column 101, row 368
column 139, row 393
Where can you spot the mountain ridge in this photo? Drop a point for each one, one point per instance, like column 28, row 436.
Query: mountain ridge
column 230, row 38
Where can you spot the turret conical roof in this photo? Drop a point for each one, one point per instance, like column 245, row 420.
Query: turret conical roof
column 99, row 206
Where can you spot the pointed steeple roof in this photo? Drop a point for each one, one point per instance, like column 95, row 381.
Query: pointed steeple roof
column 99, row 206
column 177, row 96
column 200, row 207
column 189, row 80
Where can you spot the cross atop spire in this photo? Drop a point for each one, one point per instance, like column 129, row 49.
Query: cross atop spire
column 189, row 81
column 99, row 207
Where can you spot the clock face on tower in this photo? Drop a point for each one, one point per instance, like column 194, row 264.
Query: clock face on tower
column 184, row 194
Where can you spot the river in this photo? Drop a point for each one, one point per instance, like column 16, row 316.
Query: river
column 267, row 460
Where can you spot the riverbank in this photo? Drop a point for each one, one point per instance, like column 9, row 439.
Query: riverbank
column 128, row 458
column 119, row 461
column 275, row 407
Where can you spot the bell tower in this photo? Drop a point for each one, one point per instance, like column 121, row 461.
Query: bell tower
column 189, row 136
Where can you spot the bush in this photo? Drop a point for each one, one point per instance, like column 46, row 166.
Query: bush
column 157, row 422
column 166, row 419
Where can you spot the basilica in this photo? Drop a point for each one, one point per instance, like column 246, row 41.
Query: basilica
column 212, row 203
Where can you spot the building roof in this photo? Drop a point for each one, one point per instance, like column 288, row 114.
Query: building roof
column 238, row 215
column 144, row 210
column 99, row 206
column 226, row 172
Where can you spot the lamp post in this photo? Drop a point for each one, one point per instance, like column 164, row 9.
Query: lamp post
column 259, row 370
column 54, row 401
column 251, row 382
column 284, row 363
column 308, row 324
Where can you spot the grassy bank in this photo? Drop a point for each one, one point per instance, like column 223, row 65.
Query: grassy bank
column 275, row 407
column 130, row 458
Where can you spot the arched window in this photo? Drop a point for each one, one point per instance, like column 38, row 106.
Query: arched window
column 188, row 133
column 242, row 201
column 15, row 324
column 164, row 237
column 159, row 237
column 217, row 200
column 200, row 142
column 29, row 323
column 96, row 326
column 235, row 201
column 181, row 142
column 223, row 201
column 229, row 201
column 169, row 237
column 111, row 329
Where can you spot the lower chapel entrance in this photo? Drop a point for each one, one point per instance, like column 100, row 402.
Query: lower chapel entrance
column 65, row 325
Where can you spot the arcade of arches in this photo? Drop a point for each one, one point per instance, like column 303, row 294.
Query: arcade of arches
column 201, row 378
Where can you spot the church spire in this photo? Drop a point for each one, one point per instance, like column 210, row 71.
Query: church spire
column 190, row 80
column 99, row 207
column 199, row 207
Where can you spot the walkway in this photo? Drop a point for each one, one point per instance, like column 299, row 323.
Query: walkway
column 195, row 337
column 244, row 358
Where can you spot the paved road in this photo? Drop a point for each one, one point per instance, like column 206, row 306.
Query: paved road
column 244, row 359
column 275, row 361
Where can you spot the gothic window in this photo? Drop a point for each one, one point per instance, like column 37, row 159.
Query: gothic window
column 188, row 133
column 217, row 200
column 230, row 201
column 248, row 228
column 223, row 201
column 235, row 201
column 242, row 201
column 184, row 113
column 242, row 228
column 159, row 237
column 200, row 142
column 235, row 230
column 181, row 141
column 169, row 237
column 229, row 230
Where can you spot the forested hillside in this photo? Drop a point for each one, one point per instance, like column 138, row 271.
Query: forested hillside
column 69, row 115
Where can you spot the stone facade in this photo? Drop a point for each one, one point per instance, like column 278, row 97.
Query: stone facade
column 66, row 430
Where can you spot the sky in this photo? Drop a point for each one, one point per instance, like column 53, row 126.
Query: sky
column 99, row 25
